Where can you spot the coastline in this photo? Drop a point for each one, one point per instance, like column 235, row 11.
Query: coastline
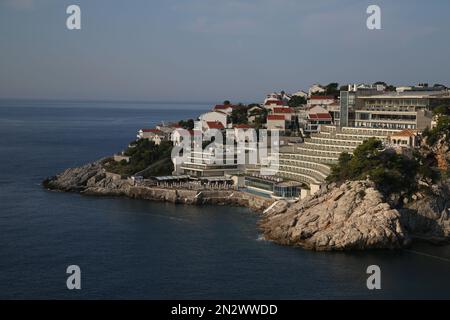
column 351, row 216
column 93, row 180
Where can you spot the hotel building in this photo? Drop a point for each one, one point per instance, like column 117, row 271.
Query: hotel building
column 310, row 162
column 399, row 110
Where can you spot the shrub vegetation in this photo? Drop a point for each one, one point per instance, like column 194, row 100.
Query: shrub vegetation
column 391, row 172
column 146, row 157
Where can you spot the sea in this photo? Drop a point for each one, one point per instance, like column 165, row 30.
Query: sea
column 136, row 249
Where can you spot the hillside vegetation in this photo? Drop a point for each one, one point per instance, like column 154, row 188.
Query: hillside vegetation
column 146, row 158
column 391, row 172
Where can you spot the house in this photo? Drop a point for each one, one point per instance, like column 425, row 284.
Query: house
column 253, row 113
column 407, row 138
column 276, row 99
column 167, row 129
column 322, row 101
column 214, row 125
column 271, row 103
column 286, row 111
column 300, row 93
column 226, row 108
column 213, row 116
column 154, row 135
column 276, row 121
column 177, row 136
column 317, row 116
column 316, row 88
column 272, row 97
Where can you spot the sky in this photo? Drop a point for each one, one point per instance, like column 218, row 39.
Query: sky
column 211, row 50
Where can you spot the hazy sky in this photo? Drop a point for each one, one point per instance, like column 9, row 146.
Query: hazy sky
column 208, row 50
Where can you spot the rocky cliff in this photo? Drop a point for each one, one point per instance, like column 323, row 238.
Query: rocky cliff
column 355, row 215
column 428, row 216
column 438, row 152
column 352, row 216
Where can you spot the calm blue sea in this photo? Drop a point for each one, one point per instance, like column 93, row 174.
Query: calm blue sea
column 139, row 249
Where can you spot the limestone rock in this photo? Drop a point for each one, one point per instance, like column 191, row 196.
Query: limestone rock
column 428, row 217
column 76, row 179
column 352, row 216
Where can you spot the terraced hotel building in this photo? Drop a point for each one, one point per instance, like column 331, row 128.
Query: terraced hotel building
column 380, row 115
column 310, row 162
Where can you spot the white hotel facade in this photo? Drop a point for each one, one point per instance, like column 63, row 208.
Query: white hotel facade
column 398, row 110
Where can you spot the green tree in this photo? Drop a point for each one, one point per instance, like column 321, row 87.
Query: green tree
column 144, row 156
column 296, row 101
column 332, row 89
column 239, row 115
column 442, row 110
column 442, row 130
column 391, row 172
column 187, row 124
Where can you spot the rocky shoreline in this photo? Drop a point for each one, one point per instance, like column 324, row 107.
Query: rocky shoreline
column 92, row 179
column 355, row 216
column 352, row 216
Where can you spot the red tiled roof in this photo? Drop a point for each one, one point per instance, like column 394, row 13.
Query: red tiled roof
column 322, row 98
column 405, row 133
column 283, row 110
column 320, row 116
column 215, row 125
column 277, row 102
column 222, row 106
column 275, row 117
column 151, row 130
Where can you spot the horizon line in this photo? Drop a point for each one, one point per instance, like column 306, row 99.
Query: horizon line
column 139, row 101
